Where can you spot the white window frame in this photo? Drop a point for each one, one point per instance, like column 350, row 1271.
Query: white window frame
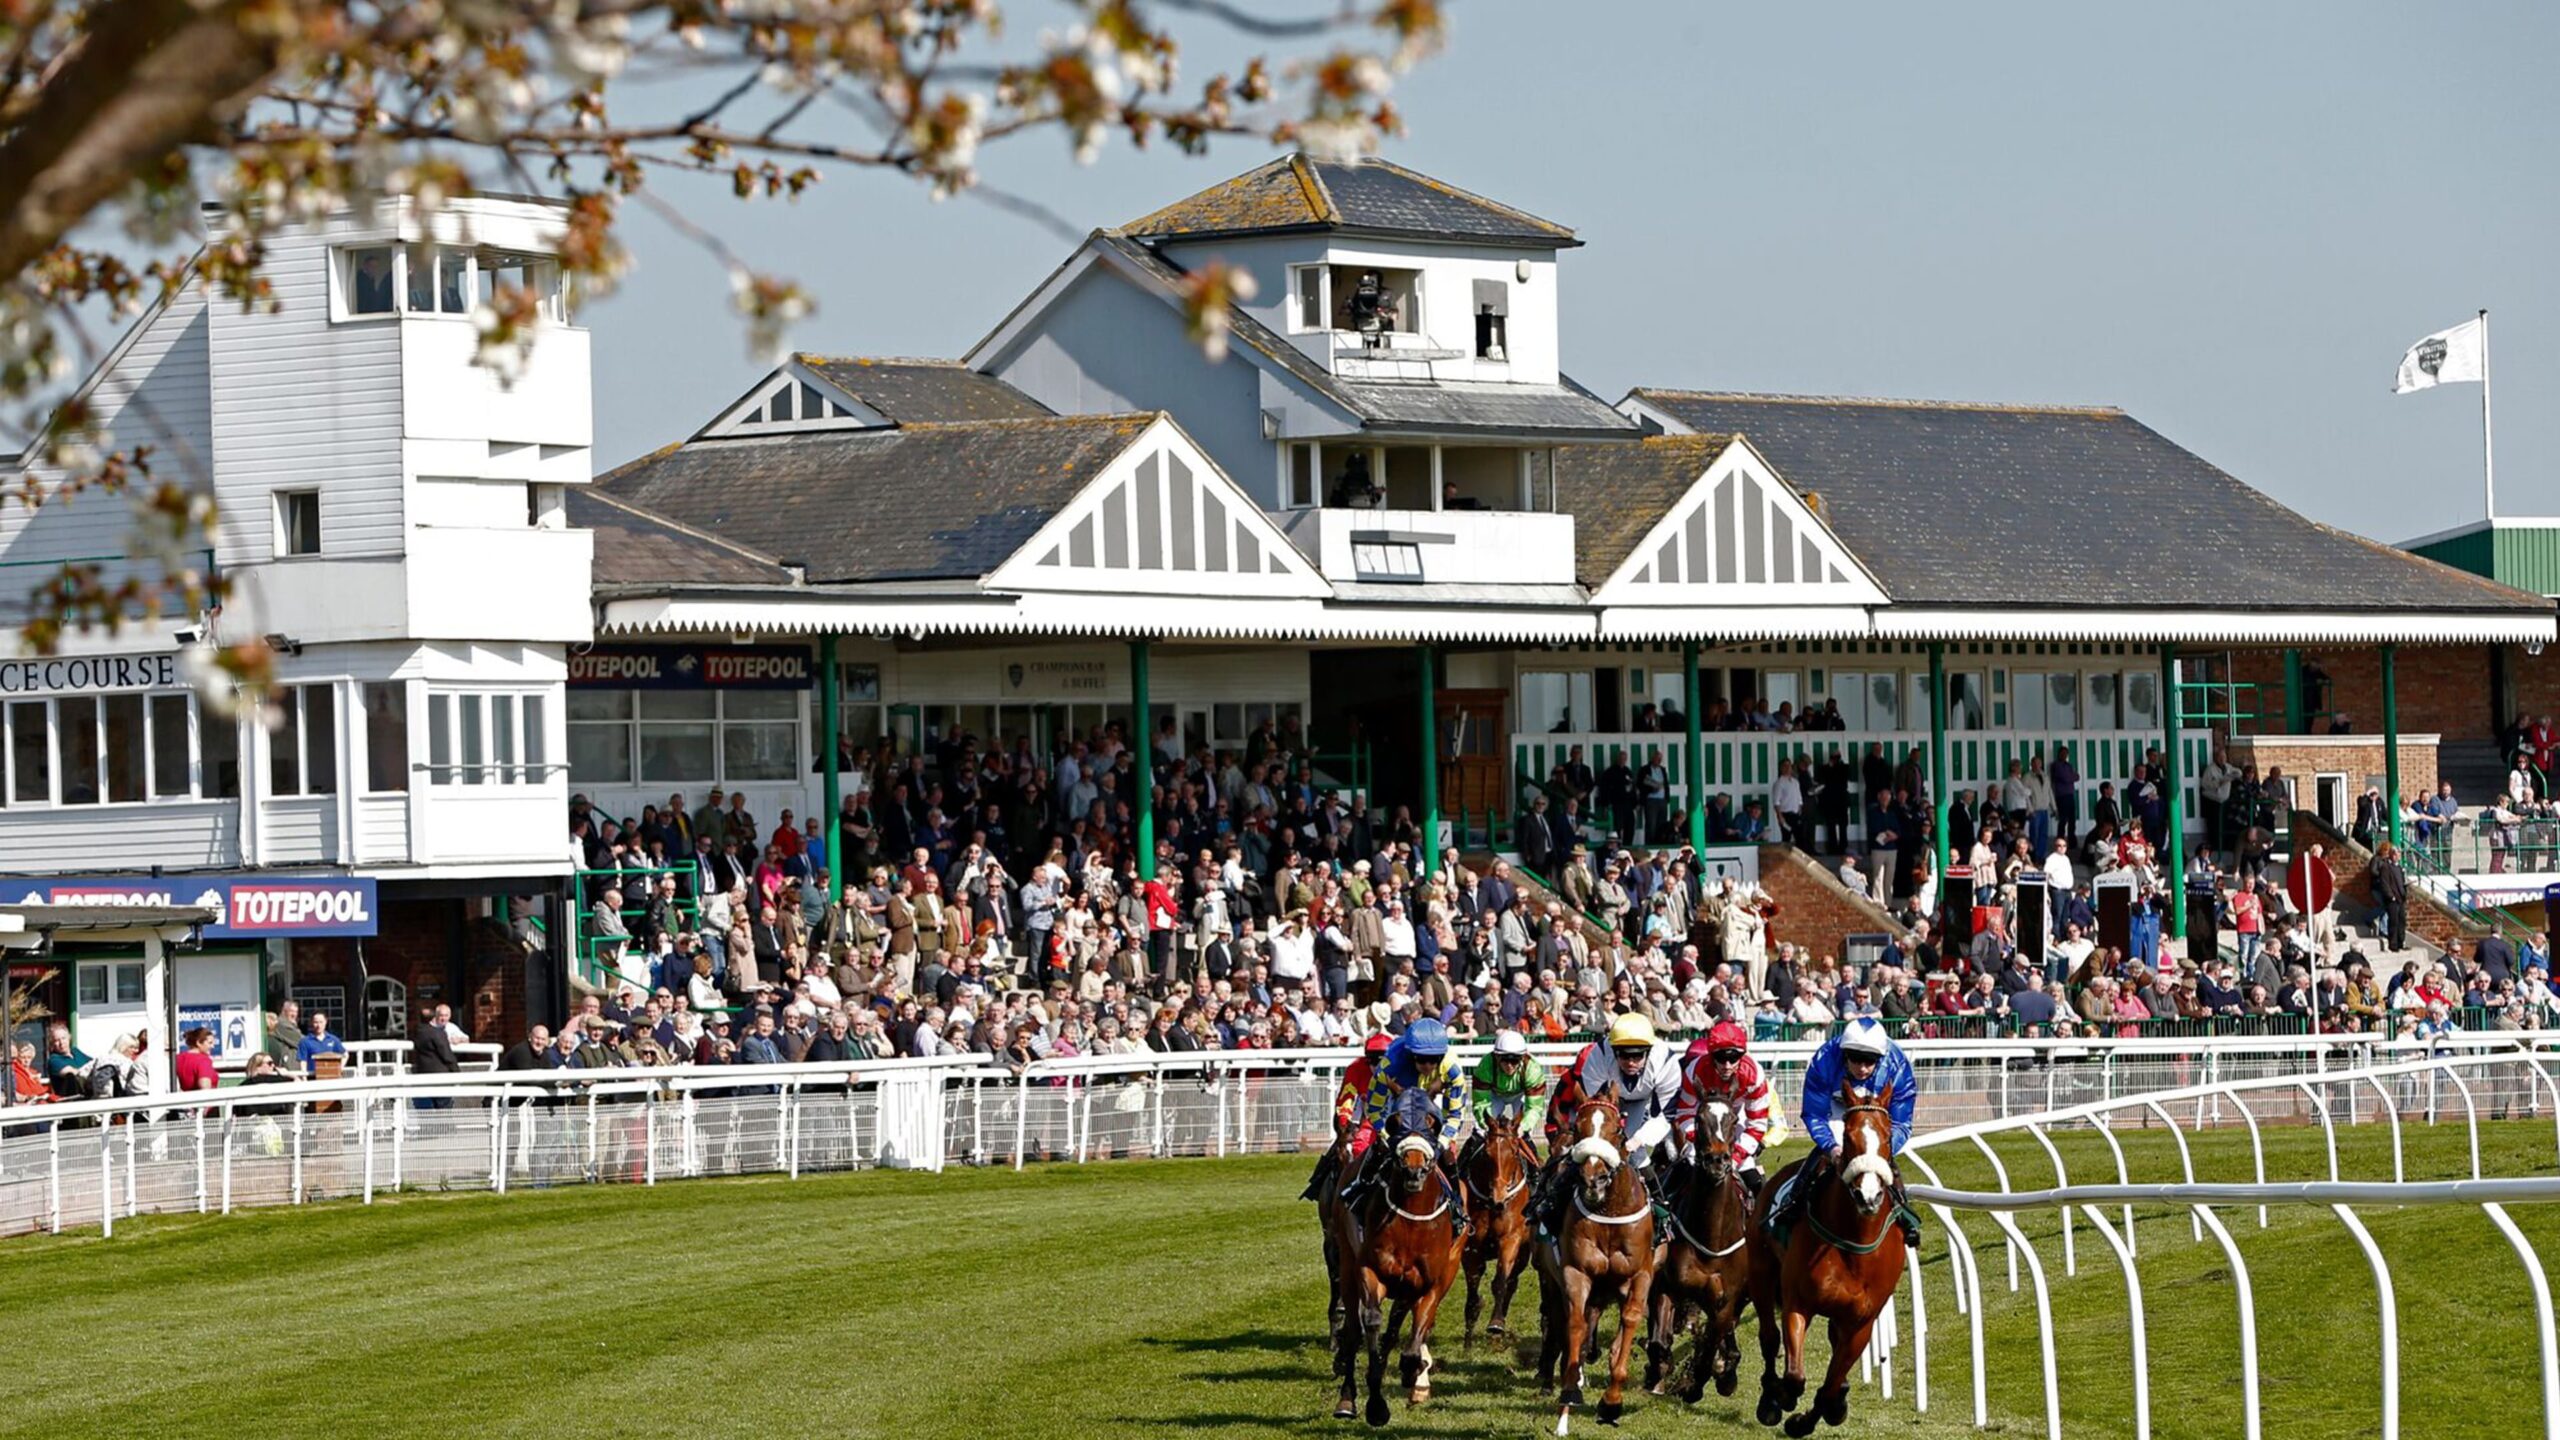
column 526, row 760
column 1323, row 271
column 296, row 693
column 49, row 706
column 280, row 511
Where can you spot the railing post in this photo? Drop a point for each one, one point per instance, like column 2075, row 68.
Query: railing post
column 2328, row 1131
column 203, row 1192
column 2062, row 1181
column 2044, row 1321
column 649, row 1137
column 2248, row 1317
column 297, row 1152
column 106, row 1177
column 2470, row 1114
column 2123, row 1249
column 53, row 1205
column 791, row 1139
column 2002, row 1171
column 2542, row 1318
column 2390, row 1320
column 364, row 1141
column 2257, row 1151
column 230, row 1126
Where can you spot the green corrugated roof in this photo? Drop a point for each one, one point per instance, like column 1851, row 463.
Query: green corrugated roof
column 2521, row 553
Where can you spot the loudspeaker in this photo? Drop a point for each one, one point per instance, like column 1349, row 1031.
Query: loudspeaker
column 2034, row 910
column 2114, row 894
column 2204, row 929
column 1955, row 909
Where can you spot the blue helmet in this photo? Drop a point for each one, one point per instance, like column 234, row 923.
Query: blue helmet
column 1426, row 1038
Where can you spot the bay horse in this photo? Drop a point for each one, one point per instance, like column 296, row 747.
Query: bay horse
column 1398, row 1258
column 1701, row 1266
column 1496, row 1176
column 1602, row 1254
column 1329, row 1217
column 1840, row 1262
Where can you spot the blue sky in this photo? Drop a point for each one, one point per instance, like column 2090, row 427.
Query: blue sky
column 2228, row 219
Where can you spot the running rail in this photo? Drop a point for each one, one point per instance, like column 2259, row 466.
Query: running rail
column 2204, row 1201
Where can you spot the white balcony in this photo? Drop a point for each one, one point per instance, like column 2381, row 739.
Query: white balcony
column 1440, row 547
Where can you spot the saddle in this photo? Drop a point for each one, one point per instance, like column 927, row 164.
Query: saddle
column 1778, row 1207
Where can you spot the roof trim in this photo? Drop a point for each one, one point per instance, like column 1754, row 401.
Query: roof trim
column 2220, row 626
column 812, row 612
column 1325, row 213
column 1650, row 393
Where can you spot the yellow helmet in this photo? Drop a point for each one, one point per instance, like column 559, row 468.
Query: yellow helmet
column 1631, row 1031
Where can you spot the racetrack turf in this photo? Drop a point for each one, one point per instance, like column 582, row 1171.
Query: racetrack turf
column 1177, row 1298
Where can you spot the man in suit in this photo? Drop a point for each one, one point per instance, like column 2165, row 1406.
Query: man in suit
column 2391, row 893
column 932, row 917
column 284, row 1038
column 2496, row 956
column 431, row 1052
column 1535, row 839
column 1495, row 893
column 1218, row 957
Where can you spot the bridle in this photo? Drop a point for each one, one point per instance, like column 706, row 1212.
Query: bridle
column 1430, row 1173
column 1814, row 1217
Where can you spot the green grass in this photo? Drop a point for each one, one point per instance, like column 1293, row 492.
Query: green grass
column 1178, row 1298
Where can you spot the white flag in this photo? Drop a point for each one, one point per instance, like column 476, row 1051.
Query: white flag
column 2447, row 357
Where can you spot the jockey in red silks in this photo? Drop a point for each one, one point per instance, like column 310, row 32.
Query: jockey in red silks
column 1348, row 1101
column 1719, row 1070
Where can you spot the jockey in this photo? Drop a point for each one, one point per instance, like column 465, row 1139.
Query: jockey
column 1347, row 1100
column 1504, row 1082
column 1720, row 1070
column 1416, row 1062
column 1865, row 1060
column 1634, row 1070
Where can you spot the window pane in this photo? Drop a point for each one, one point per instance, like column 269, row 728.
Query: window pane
column 93, row 985
column 475, row 749
column 320, row 740
column 169, row 745
column 678, row 705
column 284, row 743
column 502, row 739
column 1784, row 687
column 762, row 751
column 386, row 736
column 678, row 754
column 219, row 737
column 600, row 704
column 2102, row 702
column 128, row 984
column 76, row 722
column 1849, row 688
column 30, row 753
column 535, row 748
column 2030, row 690
column 369, row 281
column 453, row 283
column 126, row 762
column 440, row 739
column 763, row 705
column 599, row 754
column 2141, row 700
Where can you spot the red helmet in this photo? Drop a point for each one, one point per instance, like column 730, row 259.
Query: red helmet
column 1377, row 1044
column 1728, row 1036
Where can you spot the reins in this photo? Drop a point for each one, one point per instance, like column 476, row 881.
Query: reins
column 1814, row 1217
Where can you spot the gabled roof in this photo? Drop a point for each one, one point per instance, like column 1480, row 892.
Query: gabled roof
column 1615, row 493
column 923, row 392
column 634, row 547
column 1367, row 196
column 921, row 502
column 1972, row 506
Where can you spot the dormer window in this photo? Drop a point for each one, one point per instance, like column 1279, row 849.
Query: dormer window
column 380, row 281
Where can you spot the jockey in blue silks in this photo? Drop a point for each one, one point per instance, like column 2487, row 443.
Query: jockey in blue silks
column 1414, row 1091
column 1863, row 1060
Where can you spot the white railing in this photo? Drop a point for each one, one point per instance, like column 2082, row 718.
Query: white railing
column 2518, row 1080
column 71, row 1163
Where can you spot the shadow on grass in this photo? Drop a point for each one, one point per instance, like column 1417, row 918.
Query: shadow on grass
column 1273, row 1340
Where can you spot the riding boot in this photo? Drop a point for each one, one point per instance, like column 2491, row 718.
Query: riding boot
column 1752, row 1179
column 1906, row 1216
column 1547, row 1210
column 1328, row 1165
column 1457, row 1202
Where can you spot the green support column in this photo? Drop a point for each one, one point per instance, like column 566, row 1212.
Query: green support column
column 2293, row 693
column 1144, row 802
column 1695, row 758
column 1941, row 788
column 2177, row 824
column 1429, row 858
column 2391, row 739
column 833, row 828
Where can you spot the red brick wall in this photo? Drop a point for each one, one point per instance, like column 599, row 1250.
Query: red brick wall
column 2533, row 681
column 1815, row 911
column 2443, row 689
column 2360, row 762
column 2350, row 865
column 414, row 946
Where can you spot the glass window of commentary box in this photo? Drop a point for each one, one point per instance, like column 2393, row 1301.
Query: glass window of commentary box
column 476, row 738
column 123, row 748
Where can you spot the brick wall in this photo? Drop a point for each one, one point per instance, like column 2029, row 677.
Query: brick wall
column 2443, row 689
column 415, row 947
column 2360, row 757
column 2533, row 681
column 1814, row 910
column 2350, row 865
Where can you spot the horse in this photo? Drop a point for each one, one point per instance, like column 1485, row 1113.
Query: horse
column 1328, row 1218
column 1496, row 1178
column 1602, row 1253
column 1701, row 1265
column 1397, row 1259
column 1841, row 1262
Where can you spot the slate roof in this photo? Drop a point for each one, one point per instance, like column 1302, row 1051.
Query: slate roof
column 1615, row 493
column 924, row 392
column 923, row 502
column 1369, row 197
column 634, row 547
column 1981, row 506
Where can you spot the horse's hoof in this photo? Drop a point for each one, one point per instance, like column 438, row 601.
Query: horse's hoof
column 1378, row 1413
column 1769, row 1413
column 1833, row 1407
column 1570, row 1396
column 1693, row 1392
column 1610, row 1410
column 1346, row 1411
column 1421, row 1396
column 1726, row 1384
column 1496, row 1331
column 1802, row 1425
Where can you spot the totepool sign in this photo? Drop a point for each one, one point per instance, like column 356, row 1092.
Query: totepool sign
column 244, row 906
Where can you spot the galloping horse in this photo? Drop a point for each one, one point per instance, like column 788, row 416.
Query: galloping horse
column 1496, row 1177
column 1602, row 1253
column 1701, row 1263
column 1399, row 1257
column 1841, row 1263
column 1329, row 1218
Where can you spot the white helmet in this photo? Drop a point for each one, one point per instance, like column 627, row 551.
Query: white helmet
column 1865, row 1037
column 1510, row 1042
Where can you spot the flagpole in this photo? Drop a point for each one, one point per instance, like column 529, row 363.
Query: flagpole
column 2488, row 448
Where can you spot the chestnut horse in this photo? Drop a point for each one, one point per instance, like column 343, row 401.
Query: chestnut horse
column 1328, row 1218
column 1700, row 1266
column 1841, row 1263
column 1602, row 1254
column 1399, row 1257
column 1497, row 1184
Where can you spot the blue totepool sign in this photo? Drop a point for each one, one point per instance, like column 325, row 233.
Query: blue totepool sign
column 245, row 907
